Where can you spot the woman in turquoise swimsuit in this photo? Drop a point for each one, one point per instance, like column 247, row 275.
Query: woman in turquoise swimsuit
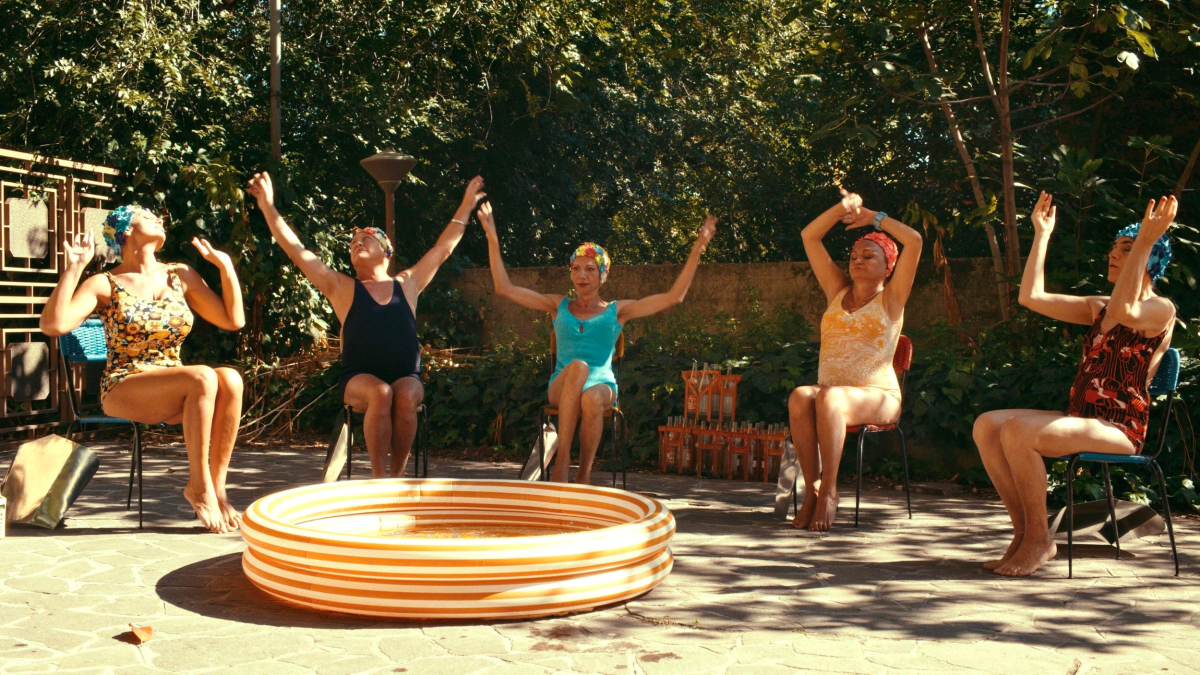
column 586, row 329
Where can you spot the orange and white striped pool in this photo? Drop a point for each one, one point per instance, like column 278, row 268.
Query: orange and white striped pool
column 456, row 549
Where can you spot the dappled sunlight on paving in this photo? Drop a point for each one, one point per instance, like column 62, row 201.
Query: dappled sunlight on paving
column 748, row 593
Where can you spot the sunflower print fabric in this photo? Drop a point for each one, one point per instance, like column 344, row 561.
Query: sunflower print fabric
column 142, row 334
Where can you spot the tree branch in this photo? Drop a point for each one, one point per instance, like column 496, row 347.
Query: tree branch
column 1063, row 117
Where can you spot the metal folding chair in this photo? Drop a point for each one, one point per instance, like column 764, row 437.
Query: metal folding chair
column 901, row 363
column 614, row 414
column 343, row 432
column 86, row 345
column 1165, row 382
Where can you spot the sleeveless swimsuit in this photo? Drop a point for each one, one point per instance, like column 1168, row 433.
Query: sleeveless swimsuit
column 593, row 341
column 143, row 335
column 857, row 347
column 379, row 340
column 1112, row 383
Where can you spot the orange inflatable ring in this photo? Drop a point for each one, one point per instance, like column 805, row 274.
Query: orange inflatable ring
column 318, row 546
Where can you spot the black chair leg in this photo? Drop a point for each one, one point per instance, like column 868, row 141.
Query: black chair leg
column 137, row 444
column 1162, row 490
column 1071, row 516
column 904, row 462
column 624, row 450
column 1112, row 509
column 348, row 415
column 416, row 446
column 613, row 439
column 133, row 462
column 541, row 445
column 862, row 436
column 424, row 442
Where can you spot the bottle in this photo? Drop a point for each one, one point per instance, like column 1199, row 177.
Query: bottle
column 693, row 392
column 727, row 398
column 704, row 395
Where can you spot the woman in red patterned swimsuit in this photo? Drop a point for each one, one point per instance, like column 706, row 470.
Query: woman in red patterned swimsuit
column 1109, row 401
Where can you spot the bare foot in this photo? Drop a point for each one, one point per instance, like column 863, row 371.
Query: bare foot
column 207, row 509
column 804, row 515
column 827, row 506
column 1029, row 556
column 1012, row 549
column 233, row 519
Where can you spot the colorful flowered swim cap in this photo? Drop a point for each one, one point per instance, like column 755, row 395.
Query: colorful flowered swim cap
column 117, row 225
column 589, row 250
column 1160, row 254
column 379, row 236
column 890, row 252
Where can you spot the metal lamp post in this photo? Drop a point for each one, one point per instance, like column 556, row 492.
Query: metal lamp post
column 389, row 168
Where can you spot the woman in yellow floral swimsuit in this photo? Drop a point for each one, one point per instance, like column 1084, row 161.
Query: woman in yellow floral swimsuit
column 859, row 332
column 146, row 307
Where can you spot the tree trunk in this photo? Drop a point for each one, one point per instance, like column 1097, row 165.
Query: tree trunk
column 1012, row 242
column 276, row 94
column 1187, row 170
column 977, row 190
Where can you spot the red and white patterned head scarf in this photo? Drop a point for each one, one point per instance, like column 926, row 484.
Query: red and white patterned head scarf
column 890, row 251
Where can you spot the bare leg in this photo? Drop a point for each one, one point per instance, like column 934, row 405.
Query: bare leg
column 838, row 407
column 373, row 396
column 565, row 392
column 184, row 394
column 1026, row 440
column 592, row 403
column 802, row 416
column 407, row 394
column 227, row 415
column 987, row 437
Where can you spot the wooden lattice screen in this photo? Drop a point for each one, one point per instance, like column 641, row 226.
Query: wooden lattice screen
column 43, row 200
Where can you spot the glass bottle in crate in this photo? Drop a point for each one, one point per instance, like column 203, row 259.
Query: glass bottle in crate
column 727, row 394
column 704, row 396
column 692, row 405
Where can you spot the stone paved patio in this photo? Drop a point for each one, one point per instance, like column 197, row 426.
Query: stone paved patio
column 748, row 594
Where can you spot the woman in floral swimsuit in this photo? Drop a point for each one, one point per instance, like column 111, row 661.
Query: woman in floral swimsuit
column 146, row 307
column 1109, row 403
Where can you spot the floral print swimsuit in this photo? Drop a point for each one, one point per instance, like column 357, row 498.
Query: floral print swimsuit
column 143, row 335
column 1112, row 382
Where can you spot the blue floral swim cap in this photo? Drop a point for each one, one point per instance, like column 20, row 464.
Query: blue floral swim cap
column 117, row 225
column 1160, row 255
column 595, row 251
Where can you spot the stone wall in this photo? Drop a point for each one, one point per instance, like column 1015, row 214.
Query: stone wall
column 727, row 287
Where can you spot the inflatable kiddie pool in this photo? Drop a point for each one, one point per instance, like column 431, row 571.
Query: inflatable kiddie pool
column 456, row 549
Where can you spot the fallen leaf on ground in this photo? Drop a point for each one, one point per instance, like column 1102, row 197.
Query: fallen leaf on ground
column 141, row 633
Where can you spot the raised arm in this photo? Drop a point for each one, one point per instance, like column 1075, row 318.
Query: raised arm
column 1154, row 314
column 328, row 281
column 1070, row 308
column 831, row 277
column 422, row 272
column 525, row 297
column 628, row 310
column 896, row 292
column 71, row 302
column 224, row 311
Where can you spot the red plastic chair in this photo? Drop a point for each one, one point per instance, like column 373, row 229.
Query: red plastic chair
column 901, row 362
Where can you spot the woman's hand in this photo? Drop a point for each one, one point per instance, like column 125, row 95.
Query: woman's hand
column 863, row 218
column 219, row 258
column 473, row 193
column 1158, row 218
column 1044, row 214
column 851, row 204
column 77, row 255
column 262, row 189
column 707, row 230
column 486, row 221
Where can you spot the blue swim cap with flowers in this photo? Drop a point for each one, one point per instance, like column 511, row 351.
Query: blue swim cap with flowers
column 1160, row 254
column 117, row 225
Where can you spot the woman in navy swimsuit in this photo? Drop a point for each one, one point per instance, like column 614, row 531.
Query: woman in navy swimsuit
column 381, row 357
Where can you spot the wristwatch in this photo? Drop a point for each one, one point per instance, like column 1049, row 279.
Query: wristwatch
column 879, row 216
